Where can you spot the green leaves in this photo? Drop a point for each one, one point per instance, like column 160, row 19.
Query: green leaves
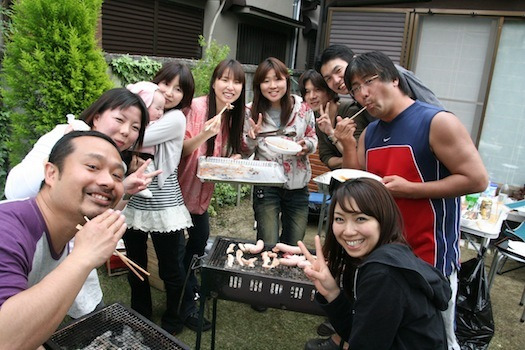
column 203, row 70
column 130, row 70
column 52, row 66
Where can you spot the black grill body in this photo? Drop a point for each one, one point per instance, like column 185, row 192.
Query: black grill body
column 81, row 333
column 283, row 287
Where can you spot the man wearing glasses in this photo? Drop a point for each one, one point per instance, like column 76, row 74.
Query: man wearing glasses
column 425, row 157
column 333, row 62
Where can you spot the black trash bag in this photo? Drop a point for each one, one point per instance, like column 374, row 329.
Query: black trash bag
column 474, row 320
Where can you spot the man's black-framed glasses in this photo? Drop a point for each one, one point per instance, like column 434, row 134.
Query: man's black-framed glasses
column 367, row 82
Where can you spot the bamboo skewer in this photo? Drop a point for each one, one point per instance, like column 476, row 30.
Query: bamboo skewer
column 130, row 263
column 227, row 106
column 359, row 112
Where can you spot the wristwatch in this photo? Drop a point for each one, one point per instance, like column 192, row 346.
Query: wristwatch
column 333, row 139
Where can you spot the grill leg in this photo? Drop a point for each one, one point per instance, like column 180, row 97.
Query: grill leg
column 213, row 322
column 201, row 322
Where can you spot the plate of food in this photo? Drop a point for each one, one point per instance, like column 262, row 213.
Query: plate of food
column 347, row 174
column 282, row 145
column 323, row 181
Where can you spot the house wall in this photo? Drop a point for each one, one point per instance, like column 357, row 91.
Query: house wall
column 226, row 27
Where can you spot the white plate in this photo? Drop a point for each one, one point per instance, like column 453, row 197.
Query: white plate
column 283, row 146
column 347, row 174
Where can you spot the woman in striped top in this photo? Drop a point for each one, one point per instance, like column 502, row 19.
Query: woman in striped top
column 163, row 216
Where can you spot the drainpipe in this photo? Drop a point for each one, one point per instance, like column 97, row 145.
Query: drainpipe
column 320, row 29
column 212, row 26
column 296, row 15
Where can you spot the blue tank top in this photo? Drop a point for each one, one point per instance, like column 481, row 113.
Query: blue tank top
column 401, row 147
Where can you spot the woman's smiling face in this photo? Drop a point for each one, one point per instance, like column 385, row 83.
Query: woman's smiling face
column 121, row 125
column 273, row 88
column 355, row 231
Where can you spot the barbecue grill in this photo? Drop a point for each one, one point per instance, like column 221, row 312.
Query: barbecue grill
column 129, row 330
column 283, row 287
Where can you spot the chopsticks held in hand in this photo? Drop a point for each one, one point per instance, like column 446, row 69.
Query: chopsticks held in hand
column 228, row 106
column 130, row 263
column 359, row 112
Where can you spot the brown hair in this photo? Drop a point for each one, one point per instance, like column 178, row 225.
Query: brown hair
column 260, row 103
column 234, row 117
column 317, row 81
column 373, row 199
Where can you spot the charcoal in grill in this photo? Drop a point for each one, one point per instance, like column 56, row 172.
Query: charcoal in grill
column 81, row 333
column 283, row 287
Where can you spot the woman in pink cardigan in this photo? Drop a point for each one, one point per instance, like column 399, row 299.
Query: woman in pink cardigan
column 210, row 134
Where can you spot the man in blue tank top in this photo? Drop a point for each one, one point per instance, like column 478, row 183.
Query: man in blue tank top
column 425, row 157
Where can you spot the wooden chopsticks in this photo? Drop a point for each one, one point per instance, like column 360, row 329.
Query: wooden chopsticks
column 129, row 263
column 228, row 106
column 359, row 112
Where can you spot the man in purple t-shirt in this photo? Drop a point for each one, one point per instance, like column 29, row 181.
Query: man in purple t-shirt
column 83, row 178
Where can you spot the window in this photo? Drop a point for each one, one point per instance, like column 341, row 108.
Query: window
column 254, row 44
column 453, row 56
column 502, row 143
column 159, row 28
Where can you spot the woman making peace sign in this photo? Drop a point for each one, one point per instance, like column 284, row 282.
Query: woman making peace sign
column 390, row 298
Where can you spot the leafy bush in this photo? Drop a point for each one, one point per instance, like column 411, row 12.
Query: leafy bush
column 52, row 66
column 4, row 150
column 130, row 70
column 204, row 67
column 225, row 195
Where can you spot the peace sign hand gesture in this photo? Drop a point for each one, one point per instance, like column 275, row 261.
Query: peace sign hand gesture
column 324, row 122
column 319, row 273
column 255, row 129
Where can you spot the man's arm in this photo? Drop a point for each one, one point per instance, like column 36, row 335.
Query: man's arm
column 29, row 318
column 453, row 146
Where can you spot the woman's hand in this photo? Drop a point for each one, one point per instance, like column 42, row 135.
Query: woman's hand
column 319, row 273
column 323, row 122
column 304, row 146
column 213, row 126
column 139, row 180
column 236, row 156
column 255, row 129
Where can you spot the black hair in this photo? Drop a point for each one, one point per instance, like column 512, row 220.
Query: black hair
column 372, row 63
column 235, row 116
column 120, row 98
column 65, row 146
column 332, row 52
column 170, row 71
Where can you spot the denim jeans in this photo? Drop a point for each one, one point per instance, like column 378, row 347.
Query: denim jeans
column 170, row 251
column 292, row 205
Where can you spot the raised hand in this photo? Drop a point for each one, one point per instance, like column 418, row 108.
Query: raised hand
column 344, row 131
column 318, row 272
column 255, row 129
column 323, row 122
column 139, row 180
column 213, row 126
column 97, row 239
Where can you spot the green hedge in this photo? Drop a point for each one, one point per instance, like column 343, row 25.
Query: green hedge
column 52, row 66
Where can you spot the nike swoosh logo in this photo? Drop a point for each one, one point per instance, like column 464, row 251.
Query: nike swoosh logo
column 386, row 139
